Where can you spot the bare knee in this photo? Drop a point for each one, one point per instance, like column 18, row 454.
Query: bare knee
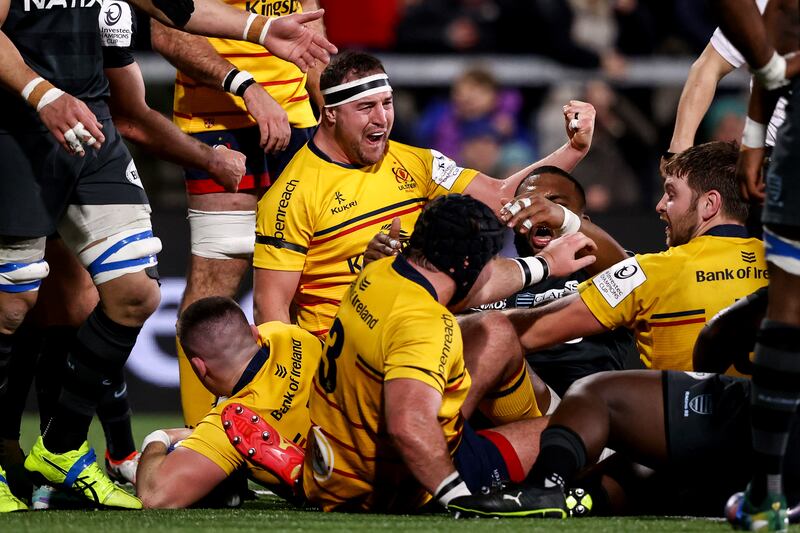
column 130, row 299
column 13, row 308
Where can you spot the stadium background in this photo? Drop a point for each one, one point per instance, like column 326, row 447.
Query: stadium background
column 629, row 58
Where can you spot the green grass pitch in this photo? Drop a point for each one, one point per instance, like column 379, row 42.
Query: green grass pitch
column 270, row 514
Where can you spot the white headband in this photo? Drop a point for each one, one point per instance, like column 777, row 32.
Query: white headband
column 356, row 89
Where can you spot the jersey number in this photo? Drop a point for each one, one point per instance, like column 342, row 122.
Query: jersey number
column 332, row 351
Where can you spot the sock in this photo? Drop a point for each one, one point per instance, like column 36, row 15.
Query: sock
column 6, row 344
column 196, row 400
column 114, row 413
column 21, row 363
column 513, row 400
column 57, row 343
column 776, row 395
column 562, row 454
column 101, row 348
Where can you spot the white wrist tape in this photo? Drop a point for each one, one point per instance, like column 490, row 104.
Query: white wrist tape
column 571, row 224
column 451, row 487
column 247, row 25
column 48, row 98
column 754, row 134
column 263, row 35
column 158, row 435
column 30, row 86
column 772, row 75
column 533, row 269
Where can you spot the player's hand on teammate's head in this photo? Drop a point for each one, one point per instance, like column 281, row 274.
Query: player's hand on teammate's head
column 531, row 210
column 227, row 167
column 73, row 124
column 569, row 254
column 384, row 244
column 579, row 122
column 273, row 122
column 290, row 39
column 750, row 173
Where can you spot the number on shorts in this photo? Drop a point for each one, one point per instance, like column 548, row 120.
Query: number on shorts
column 332, row 351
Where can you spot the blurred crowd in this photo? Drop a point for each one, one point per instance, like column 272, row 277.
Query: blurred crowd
column 498, row 129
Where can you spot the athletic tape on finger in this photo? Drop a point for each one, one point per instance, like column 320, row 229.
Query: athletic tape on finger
column 574, row 124
column 83, row 134
column 527, row 224
column 72, row 141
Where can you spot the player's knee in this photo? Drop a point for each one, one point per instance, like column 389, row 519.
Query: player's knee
column 591, row 386
column 222, row 234
column 13, row 308
column 133, row 299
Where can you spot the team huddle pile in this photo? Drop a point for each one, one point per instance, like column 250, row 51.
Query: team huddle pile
column 429, row 337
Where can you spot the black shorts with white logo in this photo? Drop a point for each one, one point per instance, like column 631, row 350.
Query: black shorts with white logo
column 707, row 423
column 782, row 205
column 40, row 179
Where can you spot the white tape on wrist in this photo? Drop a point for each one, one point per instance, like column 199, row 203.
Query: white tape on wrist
column 29, row 87
column 158, row 435
column 451, row 487
column 263, row 35
column 772, row 75
column 533, row 269
column 571, row 224
column 49, row 97
column 754, row 134
column 247, row 25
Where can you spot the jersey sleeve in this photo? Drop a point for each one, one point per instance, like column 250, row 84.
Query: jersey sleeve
column 210, row 441
column 441, row 174
column 116, row 57
column 724, row 48
column 617, row 296
column 284, row 225
column 424, row 350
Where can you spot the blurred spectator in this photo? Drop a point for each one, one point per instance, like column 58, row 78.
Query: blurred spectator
column 477, row 108
column 724, row 120
column 442, row 26
column 362, row 25
column 485, row 149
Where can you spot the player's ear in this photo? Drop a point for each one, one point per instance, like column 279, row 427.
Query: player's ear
column 329, row 114
column 711, row 204
column 199, row 367
column 254, row 332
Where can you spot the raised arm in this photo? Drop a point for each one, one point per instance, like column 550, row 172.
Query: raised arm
column 140, row 124
column 579, row 124
column 195, row 57
column 698, row 93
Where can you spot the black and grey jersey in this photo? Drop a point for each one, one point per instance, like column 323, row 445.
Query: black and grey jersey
column 123, row 30
column 59, row 40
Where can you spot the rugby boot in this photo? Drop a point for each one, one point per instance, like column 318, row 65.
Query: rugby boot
column 579, row 502
column 512, row 500
column 124, row 470
column 78, row 470
column 11, row 460
column 771, row 515
column 260, row 443
column 9, row 502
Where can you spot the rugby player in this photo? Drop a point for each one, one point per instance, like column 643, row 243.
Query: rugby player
column 229, row 93
column 98, row 203
column 776, row 371
column 666, row 298
column 389, row 430
column 267, row 370
column 349, row 181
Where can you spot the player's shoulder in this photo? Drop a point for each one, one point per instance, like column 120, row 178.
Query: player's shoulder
column 276, row 331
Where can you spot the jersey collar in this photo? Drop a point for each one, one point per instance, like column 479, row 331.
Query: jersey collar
column 322, row 155
column 401, row 266
column 255, row 364
column 728, row 230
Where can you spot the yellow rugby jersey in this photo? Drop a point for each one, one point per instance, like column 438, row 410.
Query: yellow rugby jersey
column 197, row 108
column 276, row 385
column 389, row 326
column 319, row 216
column 667, row 298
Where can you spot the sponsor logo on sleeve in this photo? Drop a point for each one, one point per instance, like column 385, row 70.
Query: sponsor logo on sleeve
column 445, row 172
column 116, row 24
column 619, row 281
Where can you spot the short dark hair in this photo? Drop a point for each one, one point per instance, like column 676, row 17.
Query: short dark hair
column 208, row 315
column 346, row 63
column 712, row 166
column 550, row 169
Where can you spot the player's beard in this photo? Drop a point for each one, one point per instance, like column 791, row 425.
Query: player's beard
column 681, row 231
